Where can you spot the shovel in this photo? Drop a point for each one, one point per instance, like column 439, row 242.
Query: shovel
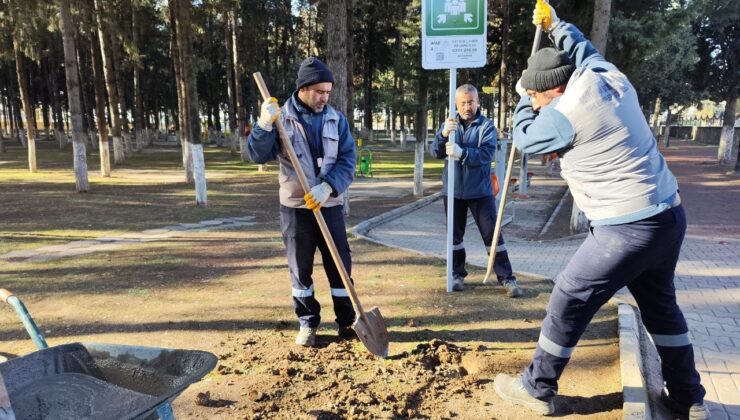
column 507, row 180
column 369, row 326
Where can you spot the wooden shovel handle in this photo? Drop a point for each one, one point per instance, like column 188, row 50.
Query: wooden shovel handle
column 507, row 180
column 288, row 148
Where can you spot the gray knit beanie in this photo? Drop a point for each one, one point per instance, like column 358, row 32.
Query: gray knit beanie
column 546, row 69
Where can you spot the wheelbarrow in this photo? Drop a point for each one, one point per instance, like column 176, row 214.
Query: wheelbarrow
column 95, row 381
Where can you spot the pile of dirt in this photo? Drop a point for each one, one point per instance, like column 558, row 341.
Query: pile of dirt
column 340, row 379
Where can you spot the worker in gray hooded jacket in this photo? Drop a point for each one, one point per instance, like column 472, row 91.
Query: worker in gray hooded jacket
column 576, row 103
column 325, row 148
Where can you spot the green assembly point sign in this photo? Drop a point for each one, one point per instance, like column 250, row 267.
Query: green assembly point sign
column 455, row 17
column 453, row 33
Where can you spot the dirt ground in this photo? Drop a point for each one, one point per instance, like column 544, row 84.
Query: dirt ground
column 228, row 292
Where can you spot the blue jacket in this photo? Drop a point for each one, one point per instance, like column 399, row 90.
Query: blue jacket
column 609, row 156
column 337, row 165
column 473, row 170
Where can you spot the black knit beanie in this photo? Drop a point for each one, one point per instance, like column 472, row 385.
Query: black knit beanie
column 546, row 69
column 313, row 71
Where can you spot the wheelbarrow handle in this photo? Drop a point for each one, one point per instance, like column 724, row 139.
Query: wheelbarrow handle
column 5, row 294
column 20, row 309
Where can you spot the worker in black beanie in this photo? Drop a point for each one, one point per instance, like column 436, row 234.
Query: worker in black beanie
column 323, row 143
column 576, row 103
column 313, row 71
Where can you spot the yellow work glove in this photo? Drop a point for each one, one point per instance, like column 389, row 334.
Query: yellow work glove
column 545, row 15
column 269, row 112
column 317, row 196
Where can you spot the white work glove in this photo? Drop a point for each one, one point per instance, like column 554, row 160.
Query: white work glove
column 270, row 111
column 449, row 127
column 318, row 196
column 453, row 150
column 545, row 15
column 520, row 89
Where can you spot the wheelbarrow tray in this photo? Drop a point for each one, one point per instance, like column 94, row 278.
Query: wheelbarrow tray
column 98, row 381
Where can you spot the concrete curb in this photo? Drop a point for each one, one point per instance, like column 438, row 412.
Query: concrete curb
column 634, row 389
column 361, row 229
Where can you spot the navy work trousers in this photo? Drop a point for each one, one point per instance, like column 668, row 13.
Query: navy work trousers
column 301, row 235
column 642, row 256
column 484, row 213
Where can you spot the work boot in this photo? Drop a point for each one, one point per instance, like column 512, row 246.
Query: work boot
column 696, row 411
column 512, row 289
column 346, row 332
column 458, row 283
column 510, row 389
column 306, row 337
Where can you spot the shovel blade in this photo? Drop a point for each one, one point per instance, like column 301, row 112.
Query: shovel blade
column 371, row 330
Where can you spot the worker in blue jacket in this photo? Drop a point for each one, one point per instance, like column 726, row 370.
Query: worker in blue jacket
column 576, row 103
column 325, row 148
column 473, row 151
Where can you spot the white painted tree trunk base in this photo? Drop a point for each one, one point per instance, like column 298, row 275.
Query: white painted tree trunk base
column 724, row 151
column 92, row 137
column 61, row 139
column 139, row 142
column 187, row 161
column 420, row 147
column 243, row 148
column 128, row 145
column 80, row 166
column 199, row 171
column 578, row 220
column 104, row 158
column 119, row 155
column 31, row 153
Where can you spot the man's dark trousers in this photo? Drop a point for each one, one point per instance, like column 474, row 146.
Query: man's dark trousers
column 301, row 236
column 484, row 213
column 642, row 256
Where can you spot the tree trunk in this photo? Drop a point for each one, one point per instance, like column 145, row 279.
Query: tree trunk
column 189, row 121
column 241, row 114
column 138, row 106
column 117, row 49
column 119, row 155
column 85, row 105
column 230, row 85
column 724, row 152
column 187, row 159
column 393, row 126
column 337, row 41
column 420, row 127
column 99, row 86
column 350, row 69
column 73, row 95
column 666, row 135
column 502, row 73
column 656, row 118
column 600, row 27
column 26, row 101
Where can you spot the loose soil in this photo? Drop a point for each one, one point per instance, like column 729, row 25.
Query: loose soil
column 228, row 292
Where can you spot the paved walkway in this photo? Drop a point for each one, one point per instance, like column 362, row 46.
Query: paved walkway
column 89, row 246
column 707, row 276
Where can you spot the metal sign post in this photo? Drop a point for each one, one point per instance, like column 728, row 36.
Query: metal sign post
column 453, row 35
column 451, row 183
